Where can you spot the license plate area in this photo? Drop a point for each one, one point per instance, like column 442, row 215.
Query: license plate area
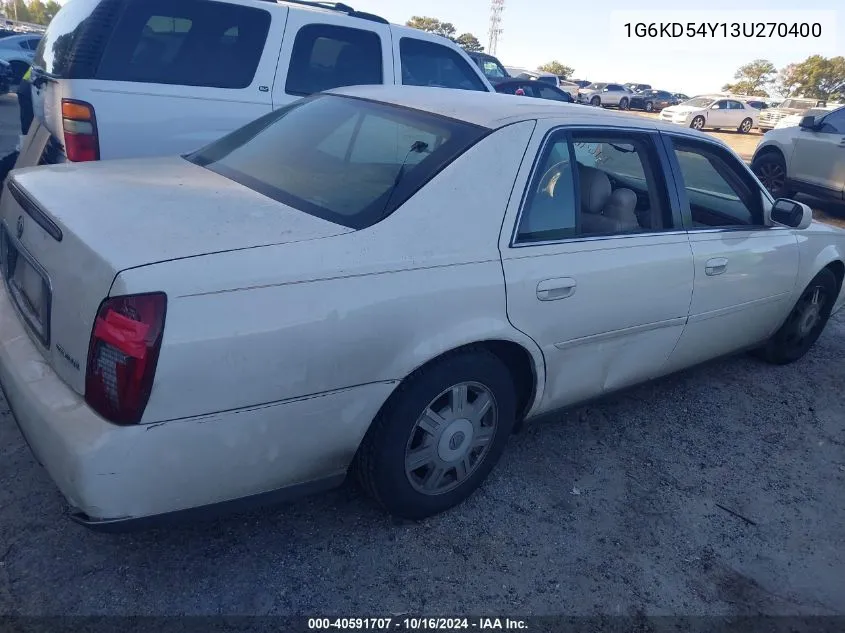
column 28, row 285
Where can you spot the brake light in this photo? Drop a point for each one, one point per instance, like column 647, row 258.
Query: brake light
column 122, row 356
column 82, row 143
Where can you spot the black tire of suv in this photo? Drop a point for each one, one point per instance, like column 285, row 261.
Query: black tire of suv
column 595, row 101
column 380, row 461
column 623, row 103
column 767, row 167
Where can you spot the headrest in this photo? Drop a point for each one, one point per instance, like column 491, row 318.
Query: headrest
column 595, row 189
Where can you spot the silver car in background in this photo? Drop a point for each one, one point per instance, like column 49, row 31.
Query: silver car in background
column 770, row 117
column 606, row 94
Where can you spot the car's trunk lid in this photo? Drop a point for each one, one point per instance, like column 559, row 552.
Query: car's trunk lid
column 68, row 230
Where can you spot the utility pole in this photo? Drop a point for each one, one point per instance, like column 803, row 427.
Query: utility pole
column 496, row 8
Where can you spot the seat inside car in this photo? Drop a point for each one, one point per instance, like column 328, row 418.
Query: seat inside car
column 602, row 209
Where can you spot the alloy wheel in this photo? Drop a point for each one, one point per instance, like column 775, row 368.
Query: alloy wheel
column 807, row 315
column 697, row 123
column 772, row 175
column 451, row 438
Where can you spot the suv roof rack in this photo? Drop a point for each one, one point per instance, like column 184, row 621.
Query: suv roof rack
column 335, row 6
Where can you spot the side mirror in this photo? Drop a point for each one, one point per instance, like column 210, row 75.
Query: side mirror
column 795, row 215
column 808, row 123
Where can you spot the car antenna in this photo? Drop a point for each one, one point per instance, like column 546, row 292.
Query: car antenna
column 418, row 147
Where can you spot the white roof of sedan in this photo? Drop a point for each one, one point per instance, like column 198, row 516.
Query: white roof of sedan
column 493, row 110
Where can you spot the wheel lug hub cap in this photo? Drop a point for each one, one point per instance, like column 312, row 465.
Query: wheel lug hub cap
column 455, row 440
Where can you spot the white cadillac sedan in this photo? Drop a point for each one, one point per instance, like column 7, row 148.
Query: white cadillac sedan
column 713, row 112
column 380, row 280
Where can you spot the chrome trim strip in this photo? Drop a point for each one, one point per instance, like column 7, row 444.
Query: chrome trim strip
column 597, row 238
column 706, row 316
column 637, row 329
column 33, row 209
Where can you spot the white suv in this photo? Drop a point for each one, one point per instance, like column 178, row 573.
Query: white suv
column 807, row 158
column 132, row 78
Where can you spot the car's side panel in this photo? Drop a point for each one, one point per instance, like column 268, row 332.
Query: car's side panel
column 626, row 311
column 262, row 325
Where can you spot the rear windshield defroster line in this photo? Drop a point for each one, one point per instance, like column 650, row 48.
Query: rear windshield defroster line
column 344, row 159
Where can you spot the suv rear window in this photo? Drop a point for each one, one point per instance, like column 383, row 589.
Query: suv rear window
column 186, row 42
column 346, row 160
column 61, row 52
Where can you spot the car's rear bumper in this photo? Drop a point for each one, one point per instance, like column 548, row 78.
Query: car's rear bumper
column 111, row 474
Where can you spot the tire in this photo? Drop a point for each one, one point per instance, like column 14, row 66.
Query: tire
column 403, row 429
column 697, row 123
column 745, row 126
column 770, row 168
column 595, row 101
column 805, row 322
column 623, row 103
column 18, row 71
column 649, row 106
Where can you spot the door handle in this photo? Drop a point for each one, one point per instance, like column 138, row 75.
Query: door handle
column 716, row 266
column 842, row 142
column 554, row 289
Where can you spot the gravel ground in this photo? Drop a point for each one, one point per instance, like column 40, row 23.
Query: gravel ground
column 716, row 491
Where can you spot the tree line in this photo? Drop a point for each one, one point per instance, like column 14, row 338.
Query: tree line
column 816, row 77
column 34, row 11
column 470, row 42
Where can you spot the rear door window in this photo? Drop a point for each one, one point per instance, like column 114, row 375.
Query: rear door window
column 429, row 64
column 326, row 56
column 186, row 42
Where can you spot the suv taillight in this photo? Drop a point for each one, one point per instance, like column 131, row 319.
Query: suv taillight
column 80, row 127
column 122, row 356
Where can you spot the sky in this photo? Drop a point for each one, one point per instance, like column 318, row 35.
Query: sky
column 590, row 37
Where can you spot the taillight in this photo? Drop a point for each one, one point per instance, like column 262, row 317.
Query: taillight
column 122, row 356
column 80, row 127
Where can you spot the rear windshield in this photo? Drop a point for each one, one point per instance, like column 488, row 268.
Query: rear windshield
column 346, row 160
column 798, row 104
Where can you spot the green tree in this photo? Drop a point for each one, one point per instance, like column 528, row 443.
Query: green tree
column 753, row 78
column 556, row 68
column 38, row 12
column 820, row 77
column 787, row 83
column 51, row 9
column 17, row 10
column 432, row 25
column 469, row 43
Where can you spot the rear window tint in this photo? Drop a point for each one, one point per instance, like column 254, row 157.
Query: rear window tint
column 346, row 160
column 326, row 57
column 430, row 64
column 186, row 42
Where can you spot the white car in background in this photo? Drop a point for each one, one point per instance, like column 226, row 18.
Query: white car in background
column 605, row 94
column 794, row 119
column 712, row 112
column 807, row 158
column 382, row 280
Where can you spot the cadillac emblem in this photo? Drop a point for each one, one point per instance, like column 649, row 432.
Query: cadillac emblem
column 20, row 227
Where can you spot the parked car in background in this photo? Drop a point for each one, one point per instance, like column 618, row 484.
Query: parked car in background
column 186, row 72
column 652, row 100
column 757, row 104
column 769, row 119
column 680, row 96
column 807, row 158
column 635, row 87
column 6, row 77
column 491, row 67
column 536, row 89
column 581, row 83
column 712, row 112
column 795, row 119
column 18, row 51
column 606, row 94
column 278, row 322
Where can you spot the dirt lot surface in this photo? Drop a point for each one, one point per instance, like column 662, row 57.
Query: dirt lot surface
column 716, row 491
